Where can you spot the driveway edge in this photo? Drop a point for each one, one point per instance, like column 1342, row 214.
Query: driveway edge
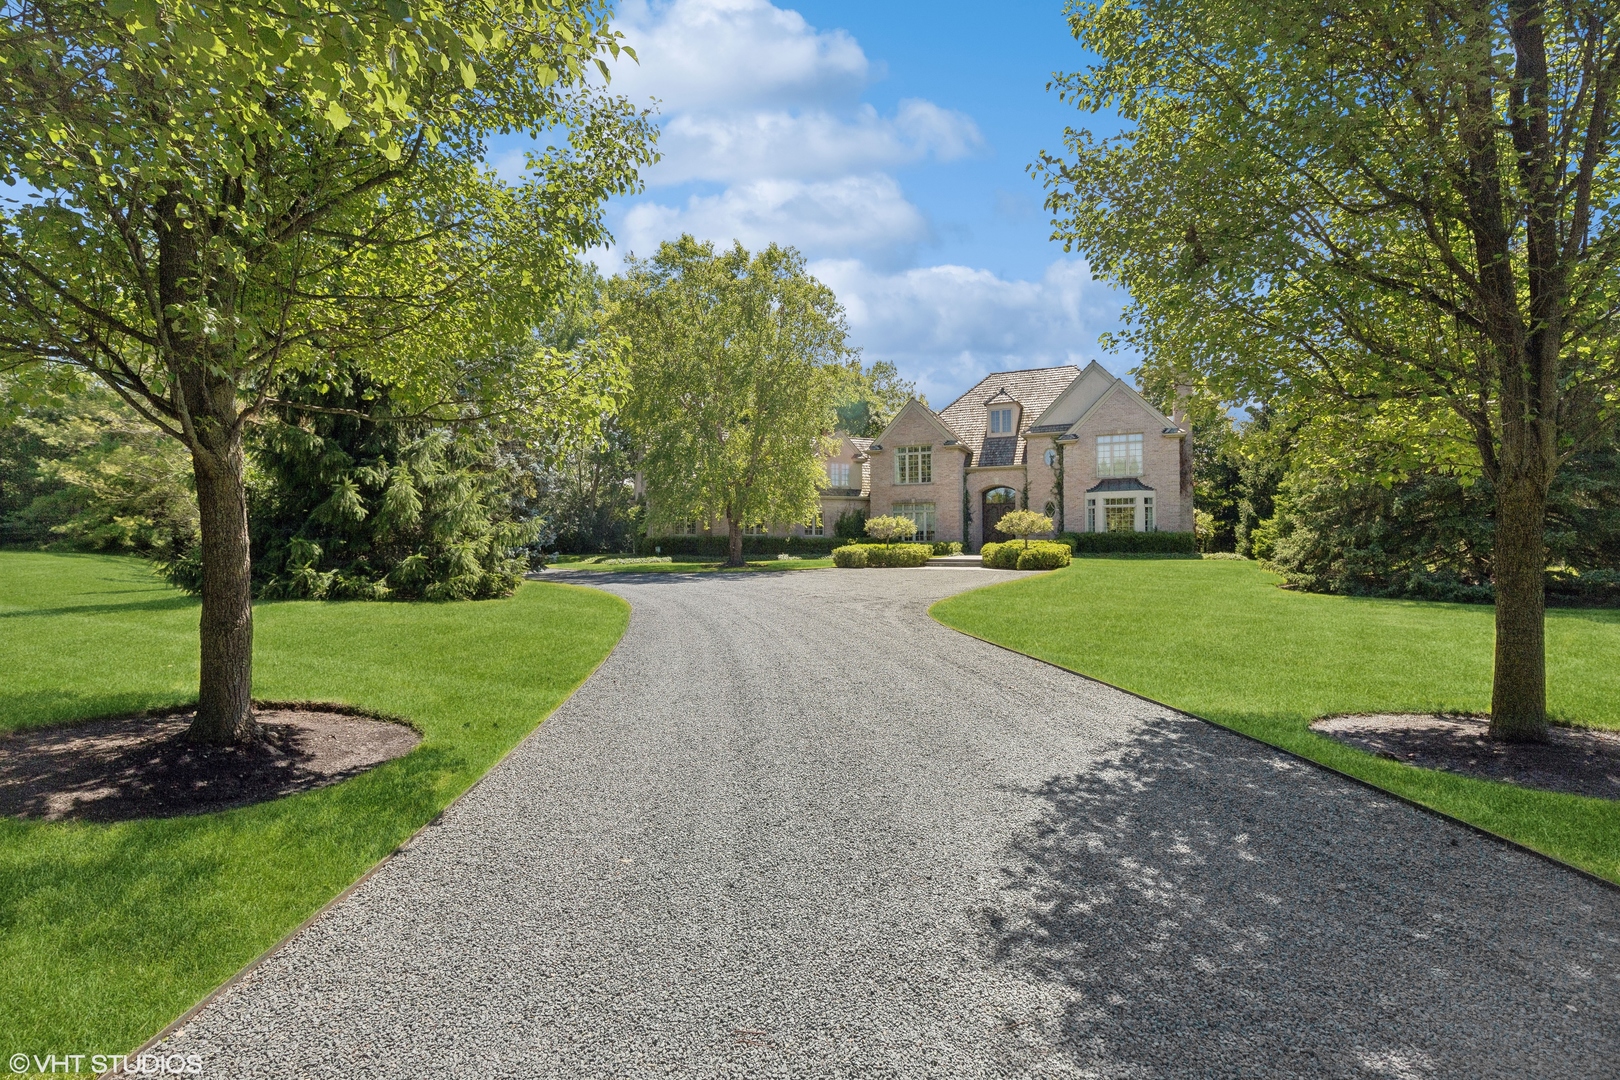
column 252, row 965
column 1369, row 785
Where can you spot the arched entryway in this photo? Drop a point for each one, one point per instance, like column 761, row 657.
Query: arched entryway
column 995, row 502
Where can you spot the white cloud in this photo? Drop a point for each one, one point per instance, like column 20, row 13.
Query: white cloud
column 734, row 54
column 949, row 326
column 850, row 216
column 730, row 146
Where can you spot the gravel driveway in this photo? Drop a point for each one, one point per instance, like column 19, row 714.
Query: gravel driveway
column 793, row 827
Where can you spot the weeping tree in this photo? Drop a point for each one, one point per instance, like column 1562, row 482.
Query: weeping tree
column 737, row 363
column 1399, row 215
column 211, row 197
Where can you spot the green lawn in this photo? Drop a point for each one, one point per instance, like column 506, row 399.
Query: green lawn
column 1218, row 639
column 108, row 932
column 680, row 565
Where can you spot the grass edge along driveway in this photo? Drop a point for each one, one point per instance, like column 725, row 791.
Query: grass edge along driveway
column 109, row 932
column 1217, row 639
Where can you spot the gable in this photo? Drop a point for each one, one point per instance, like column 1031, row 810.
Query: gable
column 1152, row 419
column 1076, row 400
column 914, row 410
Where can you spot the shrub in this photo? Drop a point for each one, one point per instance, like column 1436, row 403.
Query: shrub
column 1103, row 543
column 852, row 557
column 851, row 525
column 717, row 546
column 999, row 556
column 1042, row 555
column 855, row 556
column 947, row 547
column 891, row 527
column 1024, row 524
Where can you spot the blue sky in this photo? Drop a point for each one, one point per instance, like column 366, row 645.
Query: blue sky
column 887, row 141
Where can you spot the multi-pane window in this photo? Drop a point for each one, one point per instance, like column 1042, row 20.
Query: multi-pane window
column 756, row 530
column 838, row 473
column 815, row 528
column 914, row 465
column 1119, row 455
column 921, row 515
column 1001, row 422
column 1147, row 514
column 1091, row 515
column 689, row 528
column 1119, row 515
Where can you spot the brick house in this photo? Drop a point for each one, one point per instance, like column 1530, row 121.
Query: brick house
column 1081, row 446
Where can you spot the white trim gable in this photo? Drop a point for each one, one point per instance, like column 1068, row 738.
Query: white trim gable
column 1078, row 397
column 1155, row 415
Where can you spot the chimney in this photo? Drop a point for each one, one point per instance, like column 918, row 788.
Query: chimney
column 1179, row 416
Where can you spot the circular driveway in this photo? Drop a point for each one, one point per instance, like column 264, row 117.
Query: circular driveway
column 793, row 827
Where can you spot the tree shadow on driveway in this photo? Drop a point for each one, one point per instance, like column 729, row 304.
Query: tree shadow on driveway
column 1206, row 906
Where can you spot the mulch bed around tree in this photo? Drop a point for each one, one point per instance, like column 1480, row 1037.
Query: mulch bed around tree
column 1573, row 760
column 143, row 767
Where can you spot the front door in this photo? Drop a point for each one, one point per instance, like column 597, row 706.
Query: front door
column 997, row 501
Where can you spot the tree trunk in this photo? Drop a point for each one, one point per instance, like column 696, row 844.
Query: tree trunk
column 734, row 533
column 1519, row 684
column 224, row 698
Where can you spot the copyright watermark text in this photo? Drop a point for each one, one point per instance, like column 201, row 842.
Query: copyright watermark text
column 96, row 1064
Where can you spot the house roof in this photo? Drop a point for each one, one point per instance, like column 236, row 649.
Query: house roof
column 998, row 450
column 1129, row 483
column 1001, row 397
column 1033, row 388
column 863, row 445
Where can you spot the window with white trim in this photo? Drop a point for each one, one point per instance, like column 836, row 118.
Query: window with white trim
column 815, row 528
column 1147, row 513
column 1119, row 455
column 838, row 473
column 921, row 515
column 756, row 530
column 914, row 465
column 1091, row 515
column 1001, row 422
column 1119, row 515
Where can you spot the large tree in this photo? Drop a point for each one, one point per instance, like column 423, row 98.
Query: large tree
column 1397, row 214
column 216, row 194
column 737, row 361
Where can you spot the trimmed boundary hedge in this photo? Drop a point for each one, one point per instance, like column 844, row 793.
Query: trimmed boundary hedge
column 718, row 547
column 856, row 556
column 1100, row 543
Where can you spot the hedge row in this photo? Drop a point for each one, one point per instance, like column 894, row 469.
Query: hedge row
column 711, row 546
column 947, row 547
column 1099, row 543
column 856, row 556
column 1039, row 555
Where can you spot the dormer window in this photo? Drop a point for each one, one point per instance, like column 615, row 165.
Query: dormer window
column 1001, row 421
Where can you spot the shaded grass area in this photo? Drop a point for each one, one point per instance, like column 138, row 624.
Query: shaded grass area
column 108, row 932
column 679, row 565
column 1219, row 640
